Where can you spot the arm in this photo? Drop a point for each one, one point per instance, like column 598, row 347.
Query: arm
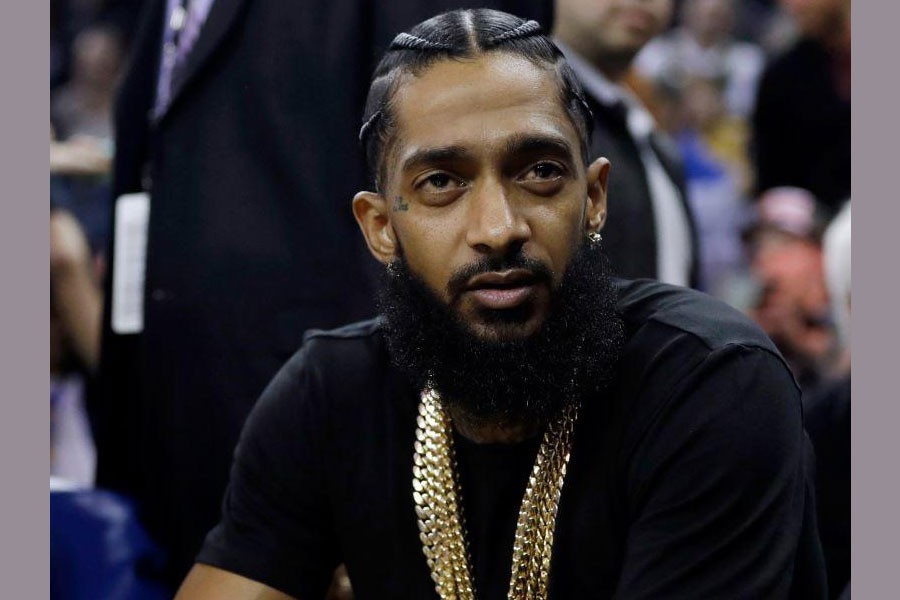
column 276, row 526
column 77, row 297
column 205, row 582
column 82, row 156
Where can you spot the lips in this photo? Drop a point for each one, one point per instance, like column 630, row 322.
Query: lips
column 502, row 289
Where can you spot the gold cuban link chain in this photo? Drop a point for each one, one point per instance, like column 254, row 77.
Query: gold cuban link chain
column 438, row 501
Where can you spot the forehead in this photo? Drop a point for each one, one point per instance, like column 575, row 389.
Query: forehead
column 478, row 104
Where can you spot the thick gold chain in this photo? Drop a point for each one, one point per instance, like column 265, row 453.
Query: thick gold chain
column 439, row 509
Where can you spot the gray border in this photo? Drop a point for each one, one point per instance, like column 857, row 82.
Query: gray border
column 24, row 261
column 876, row 410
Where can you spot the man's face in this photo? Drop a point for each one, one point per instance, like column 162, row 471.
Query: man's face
column 486, row 195
column 615, row 26
column 794, row 303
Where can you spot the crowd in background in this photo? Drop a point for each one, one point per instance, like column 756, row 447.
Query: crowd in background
column 755, row 94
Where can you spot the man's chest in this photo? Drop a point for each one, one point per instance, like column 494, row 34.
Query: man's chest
column 379, row 533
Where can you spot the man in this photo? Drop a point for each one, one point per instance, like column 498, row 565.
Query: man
column 704, row 46
column 801, row 126
column 784, row 251
column 518, row 422
column 651, row 231
column 238, row 119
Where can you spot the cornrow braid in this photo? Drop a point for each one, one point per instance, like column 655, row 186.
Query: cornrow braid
column 407, row 41
column 364, row 130
column 526, row 29
column 462, row 34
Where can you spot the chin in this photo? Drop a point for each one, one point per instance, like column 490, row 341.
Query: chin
column 504, row 327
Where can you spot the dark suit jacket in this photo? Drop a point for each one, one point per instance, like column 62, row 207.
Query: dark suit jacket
column 251, row 239
column 801, row 126
column 629, row 235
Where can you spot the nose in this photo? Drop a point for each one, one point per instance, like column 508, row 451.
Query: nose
column 495, row 224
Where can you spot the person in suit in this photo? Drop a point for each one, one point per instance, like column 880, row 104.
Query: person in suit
column 651, row 232
column 235, row 157
column 801, row 126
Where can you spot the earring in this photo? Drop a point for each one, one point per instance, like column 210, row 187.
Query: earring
column 392, row 268
column 594, row 237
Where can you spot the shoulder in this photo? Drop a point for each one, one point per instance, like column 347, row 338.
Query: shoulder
column 646, row 305
column 687, row 350
column 362, row 340
column 330, row 366
column 336, row 349
column 800, row 56
column 694, row 370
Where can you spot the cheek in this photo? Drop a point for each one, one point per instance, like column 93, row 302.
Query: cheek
column 663, row 12
column 429, row 247
column 557, row 232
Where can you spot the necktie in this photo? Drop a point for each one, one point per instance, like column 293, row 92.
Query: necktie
column 190, row 30
column 182, row 30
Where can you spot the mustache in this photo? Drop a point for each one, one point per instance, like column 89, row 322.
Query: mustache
column 459, row 280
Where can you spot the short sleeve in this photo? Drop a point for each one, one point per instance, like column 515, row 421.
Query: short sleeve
column 276, row 526
column 717, row 485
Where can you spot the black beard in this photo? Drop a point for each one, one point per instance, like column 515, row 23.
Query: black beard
column 526, row 380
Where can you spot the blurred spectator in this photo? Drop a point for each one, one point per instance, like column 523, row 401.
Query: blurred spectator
column 801, row 127
column 763, row 22
column 75, row 291
column 75, row 312
column 79, row 184
column 827, row 417
column 703, row 47
column 69, row 17
column 245, row 168
column 82, row 156
column 649, row 231
column 837, row 272
column 713, row 144
column 785, row 255
column 83, row 106
column 60, row 42
column 81, row 111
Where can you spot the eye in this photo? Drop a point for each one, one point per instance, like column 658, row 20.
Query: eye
column 439, row 182
column 544, row 171
column 544, row 178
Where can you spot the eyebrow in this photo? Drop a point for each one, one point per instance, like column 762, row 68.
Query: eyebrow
column 434, row 155
column 530, row 143
column 525, row 143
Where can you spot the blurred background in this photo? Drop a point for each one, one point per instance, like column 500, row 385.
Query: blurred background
column 752, row 95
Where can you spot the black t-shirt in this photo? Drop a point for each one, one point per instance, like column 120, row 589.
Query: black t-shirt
column 687, row 478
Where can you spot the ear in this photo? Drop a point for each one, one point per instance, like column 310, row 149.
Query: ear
column 371, row 212
column 597, row 178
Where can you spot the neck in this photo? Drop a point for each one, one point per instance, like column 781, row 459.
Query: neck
column 707, row 39
column 613, row 68
column 481, row 432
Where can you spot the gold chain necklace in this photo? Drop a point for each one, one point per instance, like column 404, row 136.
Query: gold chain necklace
column 437, row 495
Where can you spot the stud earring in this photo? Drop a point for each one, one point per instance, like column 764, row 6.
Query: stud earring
column 594, row 237
column 393, row 268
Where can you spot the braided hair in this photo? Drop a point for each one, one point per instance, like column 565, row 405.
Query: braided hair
column 462, row 34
